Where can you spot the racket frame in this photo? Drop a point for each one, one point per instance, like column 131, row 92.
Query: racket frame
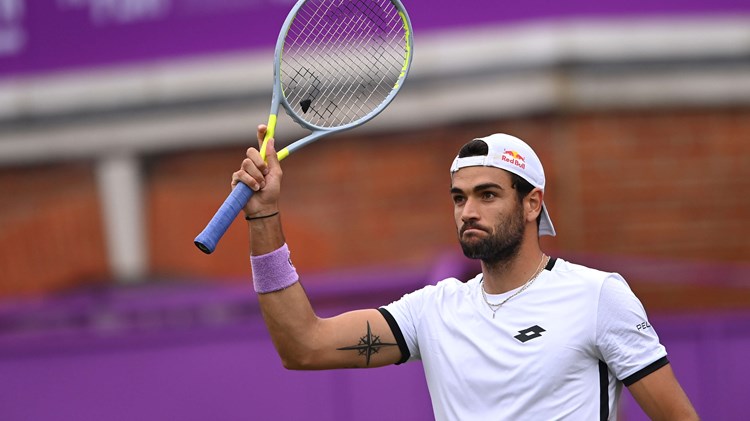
column 207, row 240
column 278, row 97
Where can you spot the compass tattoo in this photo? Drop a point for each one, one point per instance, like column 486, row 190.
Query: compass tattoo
column 368, row 345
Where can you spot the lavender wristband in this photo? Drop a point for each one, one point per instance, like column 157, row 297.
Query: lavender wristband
column 273, row 271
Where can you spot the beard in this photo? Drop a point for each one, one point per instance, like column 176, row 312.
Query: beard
column 501, row 245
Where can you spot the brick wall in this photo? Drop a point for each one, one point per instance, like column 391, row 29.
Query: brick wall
column 672, row 185
column 50, row 229
column 347, row 202
column 669, row 184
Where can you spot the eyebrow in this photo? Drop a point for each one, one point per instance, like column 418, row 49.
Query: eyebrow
column 478, row 188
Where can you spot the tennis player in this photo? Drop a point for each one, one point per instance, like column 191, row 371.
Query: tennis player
column 532, row 337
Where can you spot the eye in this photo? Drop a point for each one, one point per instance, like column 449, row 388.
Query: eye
column 458, row 199
column 488, row 195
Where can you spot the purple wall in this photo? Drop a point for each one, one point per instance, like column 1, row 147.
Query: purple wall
column 196, row 352
column 187, row 352
column 708, row 349
column 204, row 378
column 709, row 354
column 50, row 35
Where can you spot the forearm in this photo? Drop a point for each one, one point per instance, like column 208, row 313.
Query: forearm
column 303, row 340
column 266, row 234
column 286, row 310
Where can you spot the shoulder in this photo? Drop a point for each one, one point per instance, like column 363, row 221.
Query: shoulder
column 448, row 287
column 412, row 307
column 566, row 268
column 583, row 275
column 571, row 281
column 456, row 285
column 446, row 290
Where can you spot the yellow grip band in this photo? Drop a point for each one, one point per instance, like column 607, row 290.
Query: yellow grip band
column 270, row 129
column 269, row 134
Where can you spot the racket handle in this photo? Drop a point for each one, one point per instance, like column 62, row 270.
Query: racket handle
column 210, row 236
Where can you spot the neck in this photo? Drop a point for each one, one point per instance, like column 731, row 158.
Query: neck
column 500, row 277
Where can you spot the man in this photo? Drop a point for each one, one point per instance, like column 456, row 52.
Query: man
column 532, row 337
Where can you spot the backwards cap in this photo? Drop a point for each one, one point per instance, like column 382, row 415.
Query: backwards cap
column 511, row 154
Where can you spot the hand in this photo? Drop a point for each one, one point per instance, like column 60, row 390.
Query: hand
column 263, row 177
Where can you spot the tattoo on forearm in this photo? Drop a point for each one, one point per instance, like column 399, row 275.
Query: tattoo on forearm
column 368, row 345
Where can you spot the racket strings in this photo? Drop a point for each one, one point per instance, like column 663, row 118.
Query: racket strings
column 342, row 59
column 342, row 38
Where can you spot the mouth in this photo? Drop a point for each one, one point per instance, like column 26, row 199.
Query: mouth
column 472, row 230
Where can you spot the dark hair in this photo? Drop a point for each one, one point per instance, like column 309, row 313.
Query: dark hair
column 478, row 147
column 474, row 147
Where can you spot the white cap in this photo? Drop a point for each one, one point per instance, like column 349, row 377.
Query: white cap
column 511, row 154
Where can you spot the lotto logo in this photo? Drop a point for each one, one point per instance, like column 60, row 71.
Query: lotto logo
column 529, row 333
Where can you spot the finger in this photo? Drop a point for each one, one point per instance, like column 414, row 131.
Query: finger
column 235, row 178
column 254, row 156
column 252, row 175
column 262, row 128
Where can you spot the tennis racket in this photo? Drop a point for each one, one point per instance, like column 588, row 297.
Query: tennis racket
column 337, row 64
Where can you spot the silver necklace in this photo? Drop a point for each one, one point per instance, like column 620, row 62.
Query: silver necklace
column 495, row 307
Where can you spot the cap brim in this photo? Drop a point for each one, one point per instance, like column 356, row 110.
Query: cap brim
column 545, row 224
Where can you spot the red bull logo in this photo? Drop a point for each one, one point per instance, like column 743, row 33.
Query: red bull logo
column 513, row 157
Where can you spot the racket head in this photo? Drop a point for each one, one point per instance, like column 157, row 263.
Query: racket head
column 339, row 63
column 358, row 52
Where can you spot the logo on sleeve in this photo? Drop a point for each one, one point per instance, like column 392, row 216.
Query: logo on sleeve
column 642, row 326
column 529, row 333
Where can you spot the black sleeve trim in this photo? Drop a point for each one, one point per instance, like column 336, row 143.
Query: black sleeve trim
column 661, row 362
column 405, row 354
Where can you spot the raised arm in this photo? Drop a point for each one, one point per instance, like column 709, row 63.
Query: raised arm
column 303, row 340
column 661, row 397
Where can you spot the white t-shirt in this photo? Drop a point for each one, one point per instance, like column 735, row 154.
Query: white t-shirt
column 561, row 349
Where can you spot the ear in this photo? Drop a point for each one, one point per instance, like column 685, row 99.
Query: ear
column 533, row 204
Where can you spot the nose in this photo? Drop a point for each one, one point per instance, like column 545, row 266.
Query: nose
column 469, row 211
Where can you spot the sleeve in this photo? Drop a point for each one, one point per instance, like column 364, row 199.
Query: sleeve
column 403, row 316
column 626, row 340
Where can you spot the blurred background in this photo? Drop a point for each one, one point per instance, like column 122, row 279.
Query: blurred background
column 121, row 122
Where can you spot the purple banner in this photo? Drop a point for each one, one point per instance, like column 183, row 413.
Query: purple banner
column 186, row 352
column 50, row 35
